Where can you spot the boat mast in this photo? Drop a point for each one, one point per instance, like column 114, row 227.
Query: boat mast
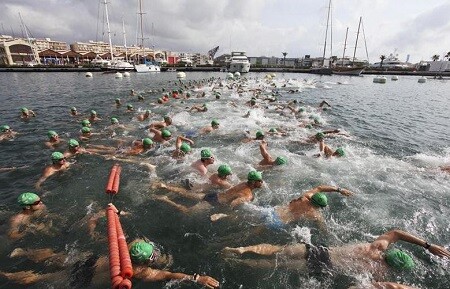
column 345, row 46
column 356, row 44
column 124, row 40
column 326, row 34
column 33, row 48
column 141, row 26
column 365, row 43
column 109, row 30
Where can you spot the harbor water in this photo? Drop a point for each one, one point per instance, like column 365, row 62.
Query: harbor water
column 399, row 136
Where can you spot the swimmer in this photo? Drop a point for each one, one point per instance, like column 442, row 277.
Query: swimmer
column 130, row 108
column 93, row 117
column 6, row 133
column 85, row 123
column 73, row 111
column 74, row 149
column 375, row 258
column 26, row 113
column 182, row 148
column 161, row 136
column 323, row 134
column 258, row 136
column 323, row 103
column 161, row 124
column 267, row 158
column 206, row 159
column 327, row 152
column 234, row 196
column 115, row 124
column 59, row 163
column 208, row 129
column 199, row 108
column 140, row 146
column 21, row 224
column 276, row 132
column 86, row 133
column 148, row 260
column 220, row 178
column 381, row 285
column 118, row 102
column 132, row 92
column 53, row 139
column 144, row 116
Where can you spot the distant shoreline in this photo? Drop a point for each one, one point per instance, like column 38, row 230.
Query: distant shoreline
column 215, row 69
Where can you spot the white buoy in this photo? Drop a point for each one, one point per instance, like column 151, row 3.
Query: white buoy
column 126, row 74
column 394, row 77
column 237, row 74
column 181, row 74
column 118, row 75
column 379, row 79
column 423, row 79
column 273, row 74
column 230, row 75
column 88, row 74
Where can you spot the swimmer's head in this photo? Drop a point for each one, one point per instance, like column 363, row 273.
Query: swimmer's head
column 166, row 134
column 73, row 143
column 308, row 126
column 319, row 200
column 281, row 161
column 185, row 148
column 325, row 108
column 273, row 130
column 93, row 113
column 118, row 101
column 52, row 134
column 147, row 112
column 56, row 157
column 141, row 252
column 129, row 106
column 214, row 123
column 147, row 142
column 259, row 134
column 317, row 120
column 114, row 120
column 320, row 136
column 252, row 102
column 4, row 128
column 188, row 94
column 254, row 176
column 224, row 170
column 24, row 110
column 339, row 152
column 28, row 199
column 399, row 259
column 86, row 123
column 205, row 154
column 160, row 100
column 73, row 109
column 168, row 119
column 85, row 130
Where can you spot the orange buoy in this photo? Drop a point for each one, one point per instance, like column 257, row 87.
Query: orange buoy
column 112, row 175
column 115, row 186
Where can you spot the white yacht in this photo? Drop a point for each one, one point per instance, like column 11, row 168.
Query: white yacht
column 239, row 63
column 147, row 67
column 392, row 62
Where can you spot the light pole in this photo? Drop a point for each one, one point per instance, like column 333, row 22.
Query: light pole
column 284, row 58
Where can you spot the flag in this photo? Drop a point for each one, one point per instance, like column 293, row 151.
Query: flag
column 212, row 52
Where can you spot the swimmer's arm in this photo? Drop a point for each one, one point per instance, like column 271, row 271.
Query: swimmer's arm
column 45, row 175
column 241, row 200
column 152, row 275
column 322, row 146
column 185, row 139
column 263, row 149
column 382, row 285
column 154, row 130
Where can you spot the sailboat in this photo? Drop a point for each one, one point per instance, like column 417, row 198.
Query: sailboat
column 145, row 66
column 324, row 70
column 350, row 68
column 116, row 63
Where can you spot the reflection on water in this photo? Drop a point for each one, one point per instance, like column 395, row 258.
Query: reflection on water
column 399, row 135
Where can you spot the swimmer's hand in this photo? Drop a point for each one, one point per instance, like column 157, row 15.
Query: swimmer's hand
column 208, row 282
column 345, row 192
column 439, row 251
column 216, row 217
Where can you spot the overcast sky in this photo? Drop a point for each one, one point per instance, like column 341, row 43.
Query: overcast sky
column 420, row 28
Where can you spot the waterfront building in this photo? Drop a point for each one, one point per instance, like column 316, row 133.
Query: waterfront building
column 18, row 52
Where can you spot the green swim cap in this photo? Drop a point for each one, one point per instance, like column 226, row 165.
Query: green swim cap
column 399, row 259
column 302, row 109
column 85, row 129
column 160, row 100
column 114, row 120
column 259, row 134
column 57, row 156
column 324, row 108
column 316, row 120
column 185, row 148
column 93, row 112
column 129, row 106
column 320, row 136
column 254, row 176
column 273, row 129
column 167, row 119
column 27, row 199
column 340, row 152
column 308, row 126
column 214, row 122
column 24, row 109
column 281, row 161
column 147, row 111
column 319, row 200
column 140, row 252
column 117, row 99
column 166, row 133
column 51, row 133
column 188, row 94
column 252, row 101
column 224, row 170
column 205, row 154
column 73, row 143
column 147, row 142
column 73, row 108
column 85, row 122
column 4, row 128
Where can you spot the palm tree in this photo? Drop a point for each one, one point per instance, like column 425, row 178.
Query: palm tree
column 447, row 55
column 382, row 57
column 284, row 58
column 435, row 57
